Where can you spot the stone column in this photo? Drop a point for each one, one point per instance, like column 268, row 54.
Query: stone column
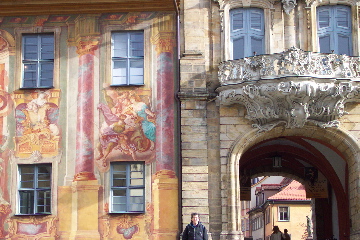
column 289, row 24
column 165, row 185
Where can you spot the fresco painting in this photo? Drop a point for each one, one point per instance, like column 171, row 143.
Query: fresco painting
column 34, row 228
column 37, row 130
column 5, row 108
column 128, row 131
column 135, row 227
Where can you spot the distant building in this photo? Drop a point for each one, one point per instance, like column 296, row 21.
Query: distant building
column 275, row 205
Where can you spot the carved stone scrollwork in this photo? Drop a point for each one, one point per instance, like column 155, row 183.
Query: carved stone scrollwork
column 291, row 88
column 288, row 5
column 293, row 62
column 292, row 102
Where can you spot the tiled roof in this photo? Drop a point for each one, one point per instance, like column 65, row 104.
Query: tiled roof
column 293, row 191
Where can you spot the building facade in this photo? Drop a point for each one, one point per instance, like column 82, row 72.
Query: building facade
column 270, row 88
column 88, row 111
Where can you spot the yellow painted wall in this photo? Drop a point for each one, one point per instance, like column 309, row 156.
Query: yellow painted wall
column 296, row 226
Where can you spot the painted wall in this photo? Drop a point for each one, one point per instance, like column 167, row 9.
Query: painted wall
column 83, row 124
column 296, row 226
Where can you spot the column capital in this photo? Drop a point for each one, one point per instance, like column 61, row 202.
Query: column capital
column 87, row 46
column 164, row 41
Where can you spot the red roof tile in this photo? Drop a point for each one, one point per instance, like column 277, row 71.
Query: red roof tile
column 293, row 191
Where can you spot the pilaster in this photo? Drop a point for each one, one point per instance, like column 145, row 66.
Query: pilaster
column 165, row 198
column 85, row 210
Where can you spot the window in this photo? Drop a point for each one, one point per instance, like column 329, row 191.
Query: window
column 334, row 29
column 267, row 216
column 38, row 60
column 34, row 192
column 127, row 58
column 284, row 214
column 246, row 32
column 127, row 187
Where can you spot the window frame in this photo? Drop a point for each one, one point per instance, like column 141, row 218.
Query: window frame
column 35, row 189
column 39, row 62
column 247, row 33
column 127, row 188
column 313, row 29
column 268, row 8
column 19, row 32
column 333, row 31
column 128, row 59
column 280, row 214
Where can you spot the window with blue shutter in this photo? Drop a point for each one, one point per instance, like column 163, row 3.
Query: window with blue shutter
column 334, row 29
column 38, row 60
column 246, row 32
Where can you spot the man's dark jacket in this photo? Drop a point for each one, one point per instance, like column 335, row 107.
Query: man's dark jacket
column 197, row 232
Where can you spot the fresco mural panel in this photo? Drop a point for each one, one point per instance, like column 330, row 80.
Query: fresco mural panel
column 128, row 131
column 37, row 129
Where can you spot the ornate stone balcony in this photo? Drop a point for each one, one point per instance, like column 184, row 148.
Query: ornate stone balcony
column 291, row 88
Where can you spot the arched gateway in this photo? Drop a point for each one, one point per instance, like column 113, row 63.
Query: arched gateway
column 331, row 151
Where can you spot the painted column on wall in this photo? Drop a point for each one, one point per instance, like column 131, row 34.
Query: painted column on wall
column 84, row 169
column 164, row 37
column 165, row 184
column 85, row 187
column 86, row 36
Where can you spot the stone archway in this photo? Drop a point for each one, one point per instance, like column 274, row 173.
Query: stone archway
column 336, row 139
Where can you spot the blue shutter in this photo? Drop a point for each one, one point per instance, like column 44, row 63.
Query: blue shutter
column 256, row 33
column 238, row 48
column 334, row 29
column 247, row 32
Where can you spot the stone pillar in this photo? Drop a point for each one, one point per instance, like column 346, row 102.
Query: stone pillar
column 289, row 29
column 165, row 184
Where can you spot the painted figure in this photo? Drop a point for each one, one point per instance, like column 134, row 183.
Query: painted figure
column 129, row 127
column 36, row 125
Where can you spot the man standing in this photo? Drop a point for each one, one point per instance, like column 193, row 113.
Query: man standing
column 195, row 230
column 286, row 235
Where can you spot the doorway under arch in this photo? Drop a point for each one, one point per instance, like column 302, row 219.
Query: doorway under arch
column 331, row 152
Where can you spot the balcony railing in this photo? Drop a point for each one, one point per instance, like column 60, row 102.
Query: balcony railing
column 293, row 62
column 291, row 88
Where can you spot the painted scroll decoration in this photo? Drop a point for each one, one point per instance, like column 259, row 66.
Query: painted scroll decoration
column 37, row 130
column 128, row 131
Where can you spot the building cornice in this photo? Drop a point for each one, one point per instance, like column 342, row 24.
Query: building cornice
column 46, row 7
